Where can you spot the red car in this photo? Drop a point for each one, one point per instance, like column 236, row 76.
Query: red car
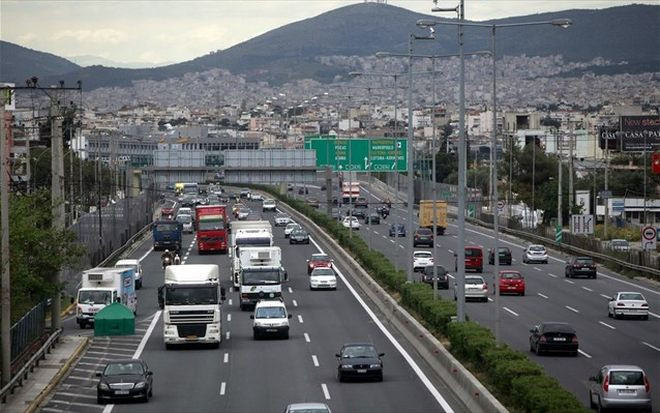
column 474, row 258
column 512, row 282
column 318, row 261
column 167, row 213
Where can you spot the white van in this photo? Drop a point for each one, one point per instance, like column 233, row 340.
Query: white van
column 135, row 264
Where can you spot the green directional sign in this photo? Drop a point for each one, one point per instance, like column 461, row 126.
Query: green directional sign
column 360, row 155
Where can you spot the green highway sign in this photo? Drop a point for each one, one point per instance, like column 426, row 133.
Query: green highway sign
column 359, row 154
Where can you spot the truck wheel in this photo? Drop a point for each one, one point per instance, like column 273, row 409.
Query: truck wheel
column 168, row 346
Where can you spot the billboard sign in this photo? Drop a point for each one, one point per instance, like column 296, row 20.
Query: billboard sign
column 359, row 155
column 640, row 133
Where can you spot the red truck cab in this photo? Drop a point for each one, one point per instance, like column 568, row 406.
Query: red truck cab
column 211, row 222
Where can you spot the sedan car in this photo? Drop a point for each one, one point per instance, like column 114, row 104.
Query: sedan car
column 257, row 197
column 313, row 202
column 580, row 266
column 512, row 282
column 127, row 379
column 289, row 228
column 553, row 337
column 505, row 256
column 422, row 259
column 372, row 218
column 442, row 276
column 299, row 236
column 397, row 230
column 361, row 202
column 268, row 205
column 355, row 212
column 351, row 223
column 535, row 253
column 628, row 304
column 623, row 387
column 423, row 236
column 318, row 261
column 282, row 220
column 243, row 213
column 359, row 360
column 475, row 288
column 307, row 408
column 323, row 278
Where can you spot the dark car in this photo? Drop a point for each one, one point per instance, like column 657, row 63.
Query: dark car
column 581, row 266
column 128, row 379
column 188, row 202
column 357, row 213
column 361, row 202
column 303, row 191
column 423, row 236
column 505, row 256
column 553, row 337
column 443, row 278
column 397, row 230
column 299, row 236
column 383, row 211
column 358, row 361
column 313, row 202
column 372, row 218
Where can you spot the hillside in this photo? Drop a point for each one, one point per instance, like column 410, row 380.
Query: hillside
column 19, row 63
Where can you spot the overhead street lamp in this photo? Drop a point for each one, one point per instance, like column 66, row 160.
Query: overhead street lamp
column 563, row 23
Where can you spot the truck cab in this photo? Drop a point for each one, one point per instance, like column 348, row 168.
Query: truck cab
column 103, row 286
column 167, row 235
column 261, row 274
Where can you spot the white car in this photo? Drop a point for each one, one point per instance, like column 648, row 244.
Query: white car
column 268, row 205
column 351, row 223
column 186, row 211
column 628, row 304
column 475, row 287
column 323, row 278
column 282, row 220
column 289, row 228
column 421, row 260
column 270, row 318
column 135, row 264
column 257, row 197
column 186, row 221
column 535, row 253
column 242, row 214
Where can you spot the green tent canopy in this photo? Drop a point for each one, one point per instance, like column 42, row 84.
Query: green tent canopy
column 114, row 320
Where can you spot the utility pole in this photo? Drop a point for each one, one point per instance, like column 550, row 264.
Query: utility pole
column 72, row 208
column 560, row 216
column 411, row 153
column 462, row 168
column 57, row 197
column 5, row 327
column 570, row 169
column 606, row 218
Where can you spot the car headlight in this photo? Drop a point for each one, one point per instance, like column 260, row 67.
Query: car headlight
column 374, row 366
column 103, row 386
column 140, row 385
column 346, row 366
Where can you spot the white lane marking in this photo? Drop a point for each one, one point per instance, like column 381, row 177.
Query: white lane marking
column 401, row 246
column 651, row 346
column 552, row 275
column 654, row 315
column 226, row 358
column 490, row 299
column 570, row 282
column 325, row 391
column 315, row 360
column 230, row 302
column 384, row 236
column 606, row 296
column 228, row 335
column 450, row 251
column 145, row 254
column 425, row 380
column 587, row 288
column 295, row 303
column 290, row 290
column 228, row 317
column 512, row 312
column 392, row 241
column 571, row 308
column 451, row 276
column 300, row 320
column 537, row 269
column 376, row 232
column 607, row 325
column 223, row 387
column 584, row 354
column 542, row 295
column 307, row 337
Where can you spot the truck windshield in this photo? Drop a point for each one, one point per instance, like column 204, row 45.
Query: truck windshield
column 166, row 227
column 177, row 295
column 258, row 276
column 254, row 241
column 94, row 297
column 211, row 224
column 270, row 312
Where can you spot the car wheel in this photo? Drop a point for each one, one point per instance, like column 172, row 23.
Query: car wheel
column 99, row 400
column 566, row 273
column 645, row 317
column 538, row 350
column 480, row 270
column 592, row 405
column 594, row 276
column 340, row 377
column 379, row 377
column 609, row 313
column 599, row 407
column 285, row 335
column 145, row 399
column 531, row 346
column 485, row 299
column 290, row 241
column 522, row 294
column 256, row 336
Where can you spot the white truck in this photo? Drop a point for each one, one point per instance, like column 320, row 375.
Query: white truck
column 261, row 274
column 191, row 299
column 247, row 234
column 101, row 287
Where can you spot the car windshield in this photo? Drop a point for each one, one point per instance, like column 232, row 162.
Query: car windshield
column 504, row 250
column 94, row 297
column 270, row 312
column 191, row 295
column 309, row 410
column 281, row 216
column 323, row 271
column 423, row 255
column 123, row 369
column 510, row 275
column 627, row 378
column 359, row 352
column 472, row 252
column 474, row 280
column 631, row 296
column 537, row 248
column 558, row 328
column 320, row 257
column 184, row 219
column 440, row 270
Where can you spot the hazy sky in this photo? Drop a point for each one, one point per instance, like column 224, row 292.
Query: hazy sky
column 176, row 30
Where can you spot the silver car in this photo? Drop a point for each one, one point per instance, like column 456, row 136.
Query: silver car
column 307, row 408
column 623, row 387
column 475, row 287
column 535, row 253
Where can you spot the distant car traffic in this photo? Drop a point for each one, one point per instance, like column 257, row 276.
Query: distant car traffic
column 422, row 259
column 535, row 253
column 442, row 276
column 475, row 288
column 243, row 213
column 620, row 245
column 581, row 266
column 318, row 261
column 361, row 202
column 397, row 230
column 372, row 218
column 257, row 197
column 299, row 236
column 512, row 282
column 619, row 386
column 127, row 379
column 505, row 256
column 630, row 304
column 357, row 213
column 268, row 205
column 359, row 361
column 423, row 236
column 553, row 337
column 323, row 278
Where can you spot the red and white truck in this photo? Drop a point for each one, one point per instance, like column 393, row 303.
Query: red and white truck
column 350, row 191
column 211, row 222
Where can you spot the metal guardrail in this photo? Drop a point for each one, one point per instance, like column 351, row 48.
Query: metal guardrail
column 28, row 368
column 28, row 329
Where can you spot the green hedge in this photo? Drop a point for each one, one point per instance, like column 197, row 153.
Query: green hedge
column 515, row 379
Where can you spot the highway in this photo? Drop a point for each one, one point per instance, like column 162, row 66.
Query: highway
column 244, row 375
column 549, row 297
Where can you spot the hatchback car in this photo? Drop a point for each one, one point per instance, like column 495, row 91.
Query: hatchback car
column 289, row 228
column 475, row 288
column 580, row 266
column 299, row 236
column 512, row 282
column 423, row 236
column 553, row 337
column 281, row 220
column 372, row 218
column 359, row 361
column 323, row 278
column 186, row 222
column 535, row 253
column 268, row 205
column 474, row 258
column 624, row 387
column 351, row 223
column 631, row 304
column 358, row 213
column 620, row 245
column 307, row 408
column 505, row 256
column 442, row 276
column 318, row 261
column 422, row 259
column 270, row 319
column 128, row 379
column 397, row 230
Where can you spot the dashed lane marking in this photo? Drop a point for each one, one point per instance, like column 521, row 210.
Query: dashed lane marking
column 542, row 295
column 511, row 311
column 307, row 337
column 572, row 309
column 607, row 325
column 315, row 360
column 326, row 393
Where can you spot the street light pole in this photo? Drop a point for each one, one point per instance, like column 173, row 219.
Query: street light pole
column 411, row 136
column 494, row 193
column 434, row 187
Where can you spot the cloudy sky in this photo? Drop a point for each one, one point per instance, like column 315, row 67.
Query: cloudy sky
column 156, row 31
